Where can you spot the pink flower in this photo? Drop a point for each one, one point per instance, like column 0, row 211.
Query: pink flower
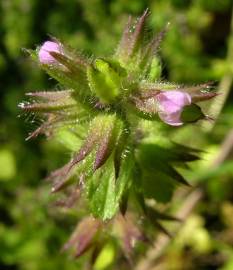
column 44, row 53
column 171, row 104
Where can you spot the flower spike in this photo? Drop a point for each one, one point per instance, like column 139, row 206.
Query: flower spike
column 114, row 115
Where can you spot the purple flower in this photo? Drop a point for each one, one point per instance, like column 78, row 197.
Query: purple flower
column 171, row 104
column 44, row 53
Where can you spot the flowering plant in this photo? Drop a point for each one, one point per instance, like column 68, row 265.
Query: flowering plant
column 113, row 115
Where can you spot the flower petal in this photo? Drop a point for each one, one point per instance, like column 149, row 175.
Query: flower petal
column 44, row 53
column 170, row 106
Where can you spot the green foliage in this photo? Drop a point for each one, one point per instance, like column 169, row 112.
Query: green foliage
column 102, row 196
column 104, row 81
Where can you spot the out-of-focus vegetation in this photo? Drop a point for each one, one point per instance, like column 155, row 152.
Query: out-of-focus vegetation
column 198, row 48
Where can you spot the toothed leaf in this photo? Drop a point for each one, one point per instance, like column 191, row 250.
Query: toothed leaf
column 103, row 203
column 158, row 186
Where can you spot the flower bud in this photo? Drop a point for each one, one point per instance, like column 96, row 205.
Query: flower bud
column 44, row 53
column 170, row 106
column 83, row 236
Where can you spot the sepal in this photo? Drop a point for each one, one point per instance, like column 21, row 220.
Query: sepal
column 130, row 233
column 192, row 114
column 83, row 236
column 132, row 38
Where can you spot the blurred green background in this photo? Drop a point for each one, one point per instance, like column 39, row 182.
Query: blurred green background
column 197, row 49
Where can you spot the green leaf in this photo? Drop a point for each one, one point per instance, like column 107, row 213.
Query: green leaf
column 105, row 191
column 158, row 186
column 157, row 159
column 103, row 203
column 104, row 81
column 124, row 180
